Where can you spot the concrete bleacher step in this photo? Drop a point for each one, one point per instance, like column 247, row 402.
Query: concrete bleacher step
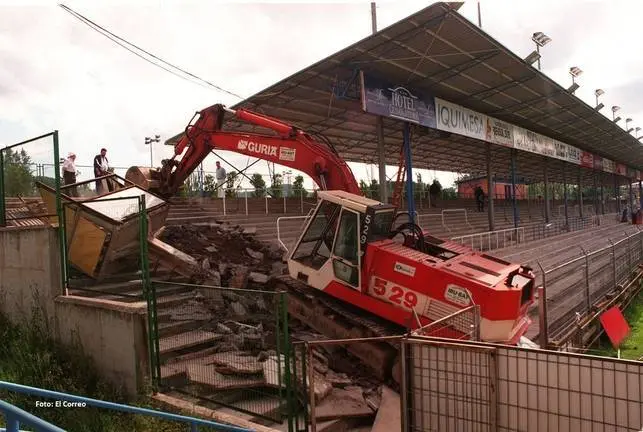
column 171, row 328
column 180, row 342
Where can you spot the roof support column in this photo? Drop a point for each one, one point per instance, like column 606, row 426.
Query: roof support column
column 640, row 195
column 513, row 187
column 629, row 184
column 546, row 194
column 617, row 194
column 595, row 197
column 381, row 158
column 602, row 193
column 580, row 192
column 409, row 172
column 491, row 188
column 565, row 197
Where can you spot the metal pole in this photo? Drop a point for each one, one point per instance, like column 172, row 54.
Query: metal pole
column 61, row 215
column 479, row 16
column 311, row 389
column 580, row 193
column 404, row 391
column 629, row 184
column 151, row 157
column 381, row 156
column 565, row 197
column 409, row 172
column 513, row 187
column 588, row 302
column 640, row 194
column 3, row 220
column 490, row 188
column 617, row 194
column 602, row 194
column 595, row 197
column 546, row 192
column 373, row 17
column 538, row 51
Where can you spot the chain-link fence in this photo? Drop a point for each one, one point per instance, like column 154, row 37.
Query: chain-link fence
column 225, row 346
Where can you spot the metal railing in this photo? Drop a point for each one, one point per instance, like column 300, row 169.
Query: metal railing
column 304, row 219
column 573, row 290
column 15, row 416
column 460, row 210
column 491, row 240
column 463, row 324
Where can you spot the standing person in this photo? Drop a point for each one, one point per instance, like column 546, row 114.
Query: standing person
column 101, row 167
column 69, row 174
column 221, row 178
column 479, row 198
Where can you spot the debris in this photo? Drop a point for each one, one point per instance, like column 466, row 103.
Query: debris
column 235, row 363
column 250, row 230
column 388, row 417
column 205, row 264
column 222, row 328
column 208, row 375
column 238, row 309
column 255, row 254
column 338, row 379
column 347, row 402
column 258, row 277
column 211, row 249
column 239, row 277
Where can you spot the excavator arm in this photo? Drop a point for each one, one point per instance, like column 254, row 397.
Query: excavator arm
column 290, row 147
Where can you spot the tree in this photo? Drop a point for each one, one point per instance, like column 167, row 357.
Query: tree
column 209, row 185
column 364, row 187
column 298, row 187
column 18, row 179
column 449, row 193
column 231, row 187
column 276, row 186
column 374, row 189
column 259, row 184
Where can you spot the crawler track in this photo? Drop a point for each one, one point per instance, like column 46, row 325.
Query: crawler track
column 338, row 320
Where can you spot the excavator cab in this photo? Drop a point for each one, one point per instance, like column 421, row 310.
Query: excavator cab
column 333, row 243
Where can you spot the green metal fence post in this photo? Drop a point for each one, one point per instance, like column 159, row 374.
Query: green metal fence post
column 3, row 220
column 61, row 215
column 150, row 296
column 290, row 399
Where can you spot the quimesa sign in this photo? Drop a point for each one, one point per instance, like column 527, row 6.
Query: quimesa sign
column 384, row 99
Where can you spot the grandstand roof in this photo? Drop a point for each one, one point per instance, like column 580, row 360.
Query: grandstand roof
column 437, row 51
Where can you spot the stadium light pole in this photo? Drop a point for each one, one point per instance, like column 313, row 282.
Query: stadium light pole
column 627, row 125
column 149, row 141
column 597, row 93
column 540, row 39
column 575, row 72
column 614, row 110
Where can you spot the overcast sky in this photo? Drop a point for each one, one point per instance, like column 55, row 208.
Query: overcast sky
column 57, row 73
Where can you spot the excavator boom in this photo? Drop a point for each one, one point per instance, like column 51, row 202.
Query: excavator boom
column 289, row 146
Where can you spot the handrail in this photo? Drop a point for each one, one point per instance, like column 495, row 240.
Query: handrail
column 466, row 218
column 14, row 416
column 33, row 391
column 279, row 219
column 520, row 231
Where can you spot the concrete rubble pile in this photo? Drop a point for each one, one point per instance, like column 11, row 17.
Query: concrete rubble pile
column 243, row 325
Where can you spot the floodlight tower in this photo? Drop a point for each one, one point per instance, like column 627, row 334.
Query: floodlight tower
column 540, row 39
column 627, row 125
column 614, row 110
column 636, row 132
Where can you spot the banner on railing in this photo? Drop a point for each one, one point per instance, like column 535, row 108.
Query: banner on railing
column 621, row 169
column 458, row 119
column 533, row 142
column 598, row 163
column 609, row 165
column 388, row 100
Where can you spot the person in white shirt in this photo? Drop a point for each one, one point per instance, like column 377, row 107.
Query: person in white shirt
column 220, row 175
column 69, row 174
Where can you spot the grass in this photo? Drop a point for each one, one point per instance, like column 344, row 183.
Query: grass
column 632, row 347
column 30, row 357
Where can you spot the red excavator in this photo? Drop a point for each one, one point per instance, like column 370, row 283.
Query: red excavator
column 349, row 249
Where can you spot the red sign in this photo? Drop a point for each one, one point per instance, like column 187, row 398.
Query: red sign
column 587, row 160
column 621, row 169
column 615, row 326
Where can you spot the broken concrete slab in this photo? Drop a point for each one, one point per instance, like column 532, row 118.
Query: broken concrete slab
column 388, row 417
column 235, row 362
column 340, row 403
column 338, row 379
column 258, row 277
column 250, row 230
column 239, row 277
column 255, row 254
column 207, row 375
column 186, row 340
column 211, row 249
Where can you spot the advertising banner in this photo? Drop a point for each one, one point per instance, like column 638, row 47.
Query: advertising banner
column 598, row 163
column 621, row 169
column 609, row 165
column 382, row 98
column 587, row 159
column 499, row 132
column 631, row 173
column 527, row 140
column 560, row 150
column 573, row 155
column 457, row 119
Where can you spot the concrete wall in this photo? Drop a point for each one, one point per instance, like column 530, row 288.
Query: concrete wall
column 113, row 334
column 29, row 271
